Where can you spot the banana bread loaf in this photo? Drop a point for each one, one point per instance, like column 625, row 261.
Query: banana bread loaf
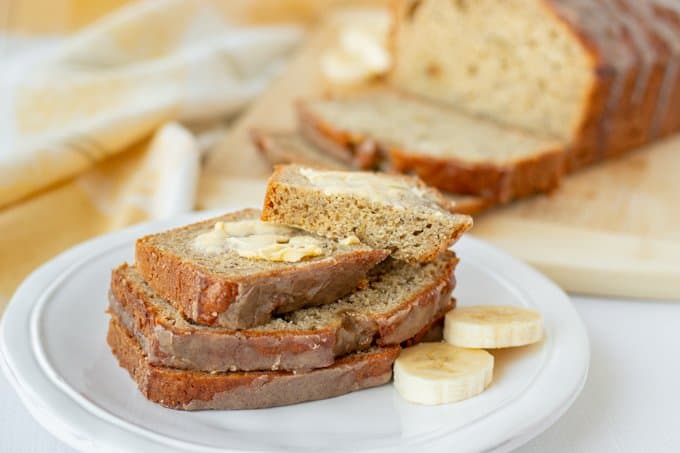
column 599, row 75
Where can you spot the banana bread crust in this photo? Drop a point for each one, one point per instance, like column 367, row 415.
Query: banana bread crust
column 209, row 298
column 195, row 390
column 668, row 17
column 188, row 346
column 635, row 103
column 604, row 38
column 492, row 183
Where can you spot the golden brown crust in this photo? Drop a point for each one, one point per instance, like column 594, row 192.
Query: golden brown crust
column 493, row 183
column 200, row 295
column 666, row 21
column 640, row 104
column 612, row 80
column 209, row 298
column 626, row 103
column 195, row 390
column 626, row 122
column 217, row 349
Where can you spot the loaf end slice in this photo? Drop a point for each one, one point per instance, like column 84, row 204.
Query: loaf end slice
column 292, row 148
column 398, row 301
column 392, row 212
column 221, row 287
column 195, row 390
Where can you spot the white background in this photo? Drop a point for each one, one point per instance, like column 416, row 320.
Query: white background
column 631, row 402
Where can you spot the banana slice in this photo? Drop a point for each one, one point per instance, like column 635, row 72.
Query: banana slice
column 438, row 373
column 492, row 326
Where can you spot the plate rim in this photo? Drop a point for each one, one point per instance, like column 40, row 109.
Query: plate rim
column 46, row 410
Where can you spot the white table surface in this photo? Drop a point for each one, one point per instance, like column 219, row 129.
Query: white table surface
column 631, row 402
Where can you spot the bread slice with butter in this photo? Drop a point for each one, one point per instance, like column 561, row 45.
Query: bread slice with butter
column 196, row 390
column 398, row 302
column 293, row 148
column 449, row 150
column 393, row 212
column 235, row 271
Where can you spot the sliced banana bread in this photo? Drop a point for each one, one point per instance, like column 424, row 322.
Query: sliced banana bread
column 448, row 150
column 195, row 390
column 235, row 271
column 392, row 212
column 292, row 148
column 398, row 302
column 601, row 75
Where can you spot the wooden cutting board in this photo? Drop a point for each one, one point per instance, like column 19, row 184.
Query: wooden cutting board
column 613, row 229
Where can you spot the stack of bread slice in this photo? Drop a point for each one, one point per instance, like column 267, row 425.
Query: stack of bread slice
column 309, row 299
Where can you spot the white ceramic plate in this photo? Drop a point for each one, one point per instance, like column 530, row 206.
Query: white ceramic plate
column 56, row 357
